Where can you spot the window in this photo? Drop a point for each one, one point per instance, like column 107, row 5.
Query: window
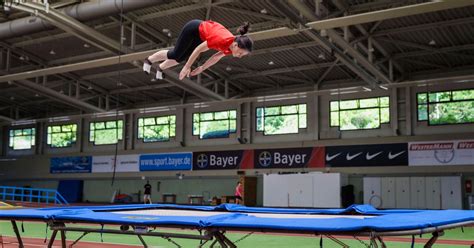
column 62, row 135
column 208, row 125
column 358, row 114
column 281, row 119
column 106, row 132
column 21, row 139
column 446, row 107
column 154, row 129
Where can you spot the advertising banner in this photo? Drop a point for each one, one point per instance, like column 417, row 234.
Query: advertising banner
column 166, row 161
column 367, row 155
column 222, row 160
column 304, row 157
column 458, row 152
column 78, row 164
column 125, row 163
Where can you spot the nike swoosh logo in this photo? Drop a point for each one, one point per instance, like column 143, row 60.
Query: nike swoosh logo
column 329, row 158
column 392, row 156
column 370, row 157
column 350, row 157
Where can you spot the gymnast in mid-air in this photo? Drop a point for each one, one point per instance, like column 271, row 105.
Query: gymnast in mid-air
column 196, row 37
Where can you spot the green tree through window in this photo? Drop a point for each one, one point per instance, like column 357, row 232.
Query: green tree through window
column 21, row 139
column 219, row 124
column 106, row 132
column 62, row 135
column 446, row 107
column 155, row 129
column 284, row 119
column 367, row 113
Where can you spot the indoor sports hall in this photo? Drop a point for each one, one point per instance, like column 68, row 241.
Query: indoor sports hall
column 236, row 123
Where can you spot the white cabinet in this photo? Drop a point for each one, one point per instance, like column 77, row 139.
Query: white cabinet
column 402, row 193
column 433, row 192
column 300, row 191
column 322, row 190
column 275, row 191
column 388, row 192
column 417, row 193
column 372, row 191
column 451, row 193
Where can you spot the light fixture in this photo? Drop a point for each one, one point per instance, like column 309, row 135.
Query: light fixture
column 271, row 63
column 264, row 11
column 153, row 79
column 165, row 30
column 119, row 84
column 324, row 32
column 321, row 56
column 169, row 34
column 22, row 58
column 367, row 89
column 61, row 92
column 86, row 45
column 37, row 95
column 432, row 42
column 383, row 87
column 52, row 52
column 90, row 87
column 12, row 98
column 228, row 68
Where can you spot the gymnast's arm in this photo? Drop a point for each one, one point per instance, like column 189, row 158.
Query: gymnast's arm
column 210, row 62
column 187, row 67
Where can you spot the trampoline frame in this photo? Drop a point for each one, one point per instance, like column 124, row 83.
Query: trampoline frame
column 217, row 235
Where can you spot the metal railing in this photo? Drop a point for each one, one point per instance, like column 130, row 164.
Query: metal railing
column 10, row 193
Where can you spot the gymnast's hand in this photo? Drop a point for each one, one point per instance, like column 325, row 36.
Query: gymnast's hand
column 184, row 72
column 197, row 71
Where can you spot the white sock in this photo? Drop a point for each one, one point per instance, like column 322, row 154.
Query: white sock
column 159, row 74
column 146, row 68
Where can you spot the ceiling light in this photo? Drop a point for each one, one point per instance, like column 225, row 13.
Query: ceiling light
column 37, row 95
column 61, row 92
column 52, row 52
column 12, row 98
column 165, row 30
column 383, row 87
column 432, row 42
column 22, row 58
column 271, row 63
column 90, row 87
column 169, row 34
column 86, row 45
column 264, row 11
column 228, row 68
column 119, row 84
column 321, row 56
column 153, row 79
column 324, row 32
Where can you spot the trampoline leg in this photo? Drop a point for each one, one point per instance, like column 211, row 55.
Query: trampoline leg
column 63, row 239
column 17, row 233
column 337, row 241
column 77, row 240
column 381, row 242
column 143, row 241
column 433, row 239
column 53, row 237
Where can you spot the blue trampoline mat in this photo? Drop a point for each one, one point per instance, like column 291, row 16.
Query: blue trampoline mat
column 356, row 218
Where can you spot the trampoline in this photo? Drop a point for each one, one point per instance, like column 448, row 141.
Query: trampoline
column 212, row 222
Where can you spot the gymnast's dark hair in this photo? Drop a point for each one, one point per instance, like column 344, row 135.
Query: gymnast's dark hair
column 243, row 41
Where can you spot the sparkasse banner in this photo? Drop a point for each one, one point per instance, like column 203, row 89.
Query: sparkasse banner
column 454, row 152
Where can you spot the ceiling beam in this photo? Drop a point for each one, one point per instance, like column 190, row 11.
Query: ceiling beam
column 280, row 70
column 178, row 10
column 390, row 13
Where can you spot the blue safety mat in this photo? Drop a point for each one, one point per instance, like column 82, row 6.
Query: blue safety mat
column 231, row 216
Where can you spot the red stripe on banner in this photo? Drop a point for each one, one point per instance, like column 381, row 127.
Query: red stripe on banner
column 317, row 158
column 247, row 160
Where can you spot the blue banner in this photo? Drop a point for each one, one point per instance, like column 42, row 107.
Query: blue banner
column 80, row 164
column 166, row 161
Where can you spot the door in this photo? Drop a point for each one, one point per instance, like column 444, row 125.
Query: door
column 433, row 192
column 417, row 193
column 372, row 191
column 451, row 193
column 402, row 193
column 388, row 192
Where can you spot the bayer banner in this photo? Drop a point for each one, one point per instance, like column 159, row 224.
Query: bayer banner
column 79, row 164
column 458, row 152
column 166, row 161
column 305, row 157
column 125, row 163
column 222, row 160
column 367, row 155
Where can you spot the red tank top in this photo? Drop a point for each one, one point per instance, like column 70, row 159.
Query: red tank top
column 217, row 36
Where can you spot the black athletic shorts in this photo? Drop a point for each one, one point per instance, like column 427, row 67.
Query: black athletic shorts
column 188, row 40
column 238, row 197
